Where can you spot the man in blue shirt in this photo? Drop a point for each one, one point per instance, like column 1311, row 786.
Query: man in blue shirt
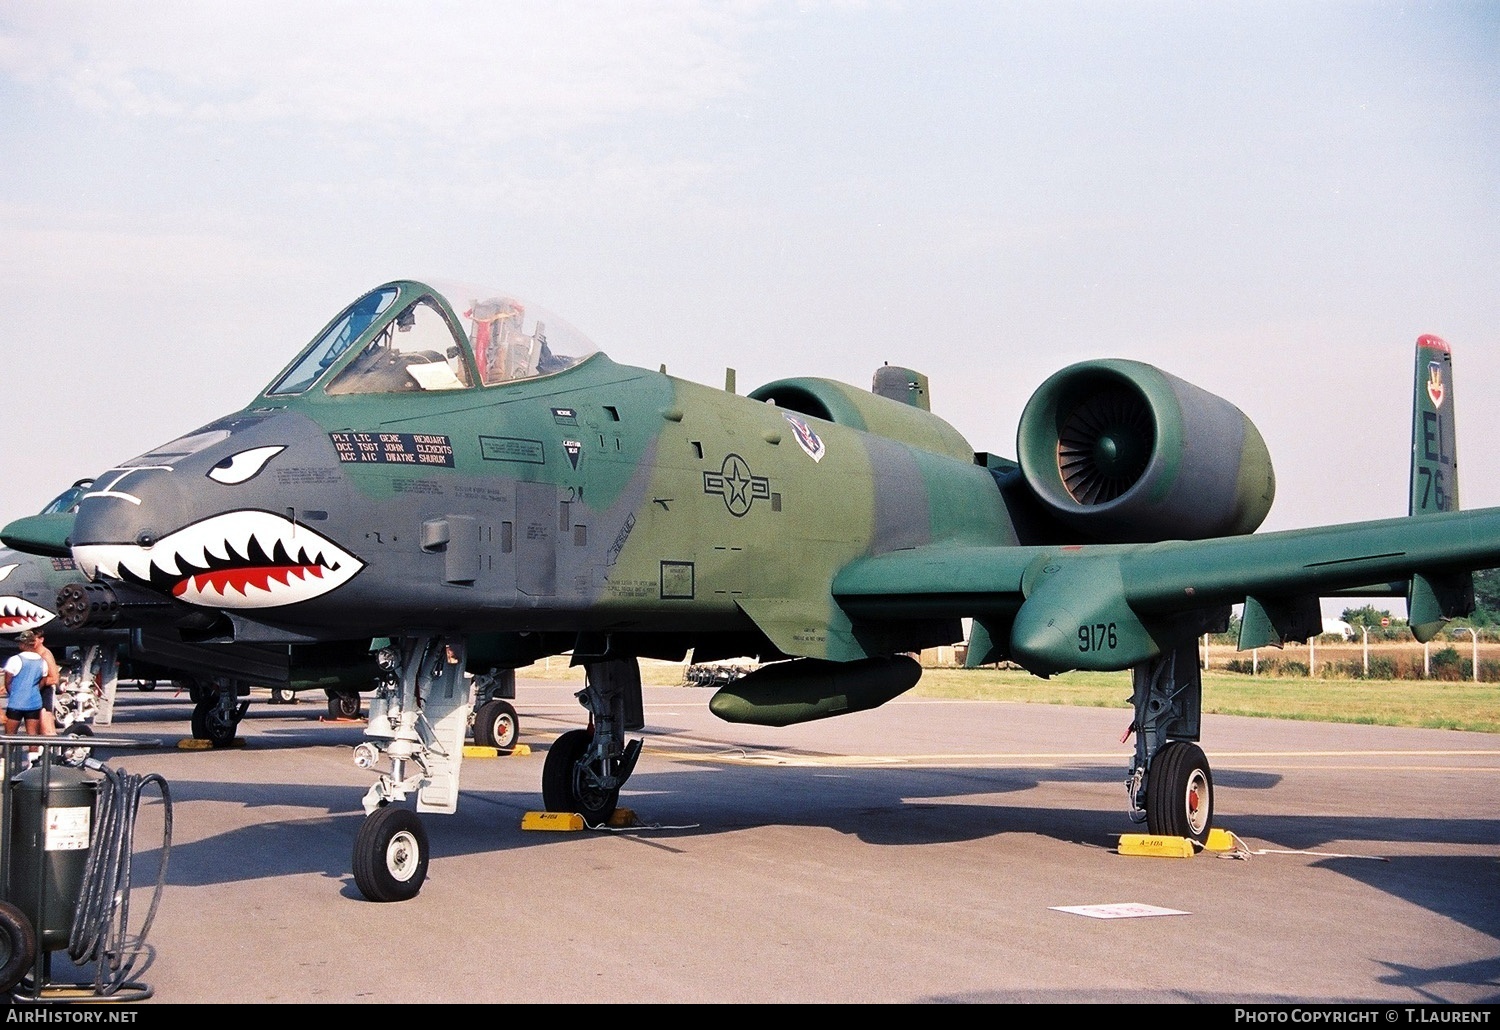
column 23, row 686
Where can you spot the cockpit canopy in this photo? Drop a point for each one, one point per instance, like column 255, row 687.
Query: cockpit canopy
column 67, row 501
column 407, row 336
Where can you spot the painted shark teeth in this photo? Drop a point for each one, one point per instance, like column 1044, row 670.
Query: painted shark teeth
column 17, row 613
column 239, row 559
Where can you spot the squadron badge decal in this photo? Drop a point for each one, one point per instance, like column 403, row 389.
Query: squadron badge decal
column 806, row 438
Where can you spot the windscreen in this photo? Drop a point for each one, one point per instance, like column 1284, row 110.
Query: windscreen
column 334, row 341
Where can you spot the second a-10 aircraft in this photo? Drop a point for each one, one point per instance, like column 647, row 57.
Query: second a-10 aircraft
column 449, row 470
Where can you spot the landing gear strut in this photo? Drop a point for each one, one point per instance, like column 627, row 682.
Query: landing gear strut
column 417, row 719
column 1171, row 786
column 586, row 768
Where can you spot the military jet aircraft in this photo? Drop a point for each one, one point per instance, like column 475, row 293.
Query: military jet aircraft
column 29, row 586
column 455, row 471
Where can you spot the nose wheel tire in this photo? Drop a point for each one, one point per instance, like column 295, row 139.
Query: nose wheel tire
column 390, row 854
column 496, row 726
column 564, row 786
column 1180, row 792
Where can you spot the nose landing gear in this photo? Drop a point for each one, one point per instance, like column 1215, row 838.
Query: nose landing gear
column 417, row 720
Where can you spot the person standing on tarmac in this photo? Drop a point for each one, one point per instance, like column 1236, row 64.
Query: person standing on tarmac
column 48, row 685
column 23, row 674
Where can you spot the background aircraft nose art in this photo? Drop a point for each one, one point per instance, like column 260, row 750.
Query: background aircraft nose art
column 17, row 613
column 240, row 559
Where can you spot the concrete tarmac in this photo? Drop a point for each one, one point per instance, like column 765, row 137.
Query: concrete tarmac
column 928, row 851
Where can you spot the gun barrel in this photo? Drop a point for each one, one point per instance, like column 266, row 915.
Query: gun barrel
column 101, row 605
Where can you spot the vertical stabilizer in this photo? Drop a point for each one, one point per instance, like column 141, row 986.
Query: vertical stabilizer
column 902, row 384
column 1432, row 600
column 1434, row 457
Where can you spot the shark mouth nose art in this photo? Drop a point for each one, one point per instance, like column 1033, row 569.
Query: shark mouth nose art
column 17, row 613
column 240, row 559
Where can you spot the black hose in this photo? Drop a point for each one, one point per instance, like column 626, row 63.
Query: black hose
column 102, row 917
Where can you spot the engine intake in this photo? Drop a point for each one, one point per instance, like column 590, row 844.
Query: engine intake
column 1122, row 451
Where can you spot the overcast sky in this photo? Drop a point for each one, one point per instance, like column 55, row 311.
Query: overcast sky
column 1271, row 200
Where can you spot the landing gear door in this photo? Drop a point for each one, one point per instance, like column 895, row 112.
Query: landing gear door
column 445, row 708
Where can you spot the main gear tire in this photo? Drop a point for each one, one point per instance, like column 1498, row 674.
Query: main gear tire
column 564, row 787
column 496, row 725
column 210, row 723
column 1180, row 792
column 343, row 706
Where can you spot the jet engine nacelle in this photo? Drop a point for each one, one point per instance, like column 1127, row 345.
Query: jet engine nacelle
column 1124, row 452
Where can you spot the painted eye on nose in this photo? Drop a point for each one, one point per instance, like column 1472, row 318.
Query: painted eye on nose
column 246, row 465
column 6, row 570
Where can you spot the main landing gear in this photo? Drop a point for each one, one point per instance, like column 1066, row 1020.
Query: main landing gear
column 495, row 722
column 1171, row 786
column 217, row 709
column 586, row 768
column 343, row 704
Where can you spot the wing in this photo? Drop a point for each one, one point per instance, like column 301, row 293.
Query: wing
column 1112, row 606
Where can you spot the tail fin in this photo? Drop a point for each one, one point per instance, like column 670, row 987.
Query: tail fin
column 902, row 384
column 1433, row 600
column 1434, row 460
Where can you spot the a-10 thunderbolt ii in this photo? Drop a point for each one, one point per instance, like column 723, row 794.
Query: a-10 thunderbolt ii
column 448, row 469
